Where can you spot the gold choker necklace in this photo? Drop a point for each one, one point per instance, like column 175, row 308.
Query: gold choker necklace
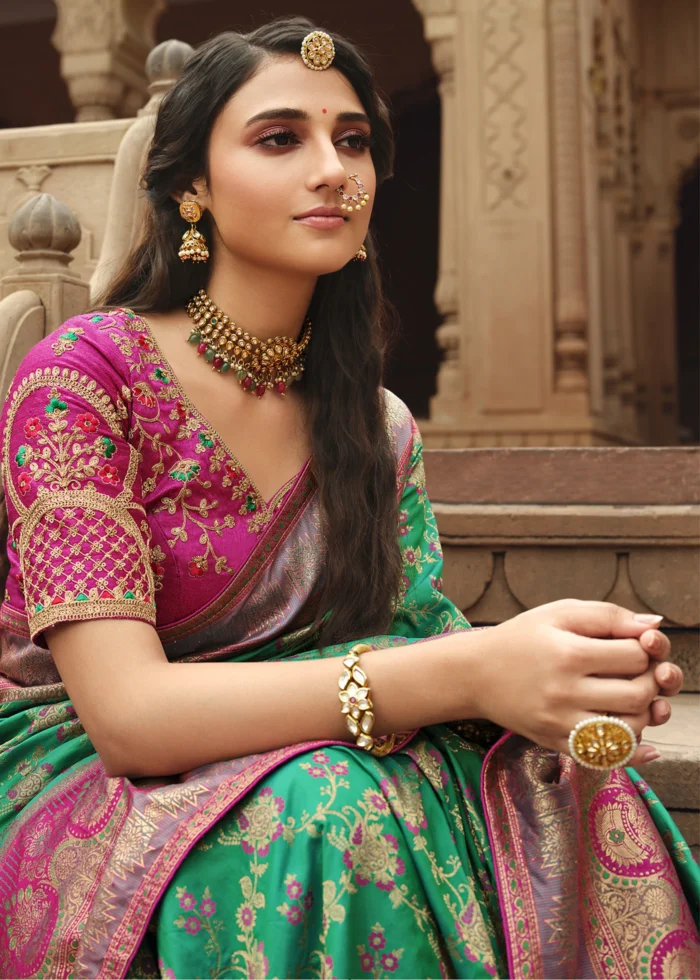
column 259, row 364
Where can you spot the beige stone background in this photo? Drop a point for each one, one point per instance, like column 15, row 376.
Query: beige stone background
column 539, row 241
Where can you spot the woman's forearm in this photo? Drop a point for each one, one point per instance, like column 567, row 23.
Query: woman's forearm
column 187, row 715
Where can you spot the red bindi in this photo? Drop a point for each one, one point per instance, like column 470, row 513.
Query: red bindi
column 324, row 110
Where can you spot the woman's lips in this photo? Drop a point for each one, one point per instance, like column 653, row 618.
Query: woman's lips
column 322, row 221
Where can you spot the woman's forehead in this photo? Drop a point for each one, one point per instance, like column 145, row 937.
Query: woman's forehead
column 286, row 81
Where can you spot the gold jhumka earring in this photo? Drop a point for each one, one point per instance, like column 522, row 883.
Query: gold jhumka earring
column 194, row 244
column 360, row 255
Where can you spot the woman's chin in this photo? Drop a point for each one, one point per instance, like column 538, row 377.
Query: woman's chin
column 331, row 261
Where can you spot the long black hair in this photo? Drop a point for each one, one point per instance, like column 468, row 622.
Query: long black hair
column 354, row 462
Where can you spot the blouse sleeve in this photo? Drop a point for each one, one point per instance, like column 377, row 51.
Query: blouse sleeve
column 78, row 542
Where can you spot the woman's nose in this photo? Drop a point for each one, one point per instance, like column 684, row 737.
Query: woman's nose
column 329, row 169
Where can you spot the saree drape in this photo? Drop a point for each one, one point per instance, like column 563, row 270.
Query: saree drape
column 466, row 852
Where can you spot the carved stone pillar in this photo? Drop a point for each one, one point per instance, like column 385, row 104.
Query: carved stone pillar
column 440, row 25
column 103, row 46
column 571, row 299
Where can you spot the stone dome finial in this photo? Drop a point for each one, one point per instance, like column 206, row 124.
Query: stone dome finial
column 44, row 225
column 166, row 61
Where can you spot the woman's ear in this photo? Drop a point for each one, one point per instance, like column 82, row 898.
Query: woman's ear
column 197, row 191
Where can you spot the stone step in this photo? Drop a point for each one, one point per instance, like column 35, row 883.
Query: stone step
column 675, row 777
column 685, row 651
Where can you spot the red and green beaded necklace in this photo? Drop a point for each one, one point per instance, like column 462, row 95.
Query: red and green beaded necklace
column 259, row 364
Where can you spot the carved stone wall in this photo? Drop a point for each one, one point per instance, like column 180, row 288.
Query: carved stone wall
column 569, row 123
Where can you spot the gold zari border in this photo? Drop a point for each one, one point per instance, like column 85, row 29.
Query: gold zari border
column 71, row 612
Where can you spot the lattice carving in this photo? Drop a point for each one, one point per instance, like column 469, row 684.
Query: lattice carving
column 504, row 109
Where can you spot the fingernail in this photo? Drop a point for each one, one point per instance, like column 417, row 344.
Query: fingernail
column 664, row 710
column 650, row 755
column 666, row 675
column 648, row 618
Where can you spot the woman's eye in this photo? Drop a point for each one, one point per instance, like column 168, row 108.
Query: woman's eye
column 358, row 141
column 285, row 137
column 280, row 138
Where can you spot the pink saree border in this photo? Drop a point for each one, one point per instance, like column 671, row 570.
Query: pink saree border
column 619, row 863
column 521, row 958
column 101, row 933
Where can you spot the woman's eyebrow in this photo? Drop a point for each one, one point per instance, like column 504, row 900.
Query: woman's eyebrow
column 289, row 113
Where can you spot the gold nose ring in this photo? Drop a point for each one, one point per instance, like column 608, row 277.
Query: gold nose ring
column 353, row 202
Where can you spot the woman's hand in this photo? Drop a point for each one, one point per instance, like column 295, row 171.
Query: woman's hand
column 558, row 664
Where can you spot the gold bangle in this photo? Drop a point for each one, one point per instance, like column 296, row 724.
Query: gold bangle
column 357, row 703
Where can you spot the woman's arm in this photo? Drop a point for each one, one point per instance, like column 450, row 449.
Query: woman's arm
column 538, row 674
column 149, row 717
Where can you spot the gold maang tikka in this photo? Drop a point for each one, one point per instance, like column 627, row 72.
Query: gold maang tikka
column 318, row 50
column 194, row 244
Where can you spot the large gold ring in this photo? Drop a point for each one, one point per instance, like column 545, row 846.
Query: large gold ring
column 602, row 743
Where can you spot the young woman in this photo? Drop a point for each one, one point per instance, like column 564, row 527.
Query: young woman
column 203, row 773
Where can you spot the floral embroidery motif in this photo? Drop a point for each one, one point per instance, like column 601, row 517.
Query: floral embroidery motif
column 157, row 559
column 87, row 423
column 158, row 402
column 24, row 484
column 109, row 474
column 32, row 428
column 372, row 958
column 67, row 340
column 143, row 393
column 64, row 459
column 185, row 470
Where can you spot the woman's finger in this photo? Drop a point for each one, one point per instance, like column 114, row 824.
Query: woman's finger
column 656, row 644
column 616, row 658
column 644, row 753
column 669, row 677
column 618, row 696
column 660, row 712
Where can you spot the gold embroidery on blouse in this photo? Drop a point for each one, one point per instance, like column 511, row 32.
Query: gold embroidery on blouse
column 68, row 380
column 61, row 581
column 165, row 402
column 67, row 340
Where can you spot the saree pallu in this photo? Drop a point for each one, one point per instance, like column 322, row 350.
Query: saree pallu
column 466, row 852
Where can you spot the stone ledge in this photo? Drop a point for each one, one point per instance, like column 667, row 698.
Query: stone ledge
column 523, row 527
column 675, row 777
column 685, row 651
column 566, row 476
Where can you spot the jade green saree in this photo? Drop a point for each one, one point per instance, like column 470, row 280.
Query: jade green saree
column 464, row 853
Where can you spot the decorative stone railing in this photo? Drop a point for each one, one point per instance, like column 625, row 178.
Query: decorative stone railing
column 76, row 163
column 40, row 293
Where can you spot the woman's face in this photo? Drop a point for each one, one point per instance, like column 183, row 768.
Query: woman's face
column 280, row 147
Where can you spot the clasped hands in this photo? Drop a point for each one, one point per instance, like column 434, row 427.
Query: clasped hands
column 561, row 663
